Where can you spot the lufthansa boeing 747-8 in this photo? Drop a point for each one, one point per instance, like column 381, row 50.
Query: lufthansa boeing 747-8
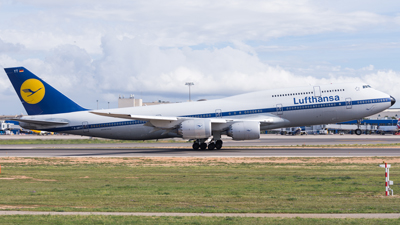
column 241, row 117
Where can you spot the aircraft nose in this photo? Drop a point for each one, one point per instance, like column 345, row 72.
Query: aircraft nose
column 392, row 100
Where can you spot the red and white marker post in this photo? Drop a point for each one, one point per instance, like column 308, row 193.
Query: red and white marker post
column 387, row 181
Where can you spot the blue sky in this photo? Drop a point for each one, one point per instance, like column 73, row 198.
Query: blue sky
column 98, row 50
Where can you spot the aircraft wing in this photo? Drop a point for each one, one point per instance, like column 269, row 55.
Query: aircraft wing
column 169, row 122
column 163, row 122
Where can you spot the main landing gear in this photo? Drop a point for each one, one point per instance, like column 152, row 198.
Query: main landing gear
column 203, row 145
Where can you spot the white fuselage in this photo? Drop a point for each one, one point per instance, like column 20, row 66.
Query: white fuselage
column 301, row 106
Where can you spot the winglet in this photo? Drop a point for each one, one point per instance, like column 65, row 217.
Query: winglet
column 37, row 96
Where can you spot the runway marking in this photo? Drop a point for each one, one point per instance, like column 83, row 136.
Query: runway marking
column 281, row 215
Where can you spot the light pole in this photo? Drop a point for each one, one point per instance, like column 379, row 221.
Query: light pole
column 97, row 104
column 189, row 84
column 108, row 104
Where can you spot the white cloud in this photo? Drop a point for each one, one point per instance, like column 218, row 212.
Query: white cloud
column 96, row 50
column 9, row 47
column 387, row 81
column 175, row 23
column 131, row 67
column 368, row 68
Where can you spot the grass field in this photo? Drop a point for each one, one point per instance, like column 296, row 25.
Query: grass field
column 285, row 185
column 43, row 220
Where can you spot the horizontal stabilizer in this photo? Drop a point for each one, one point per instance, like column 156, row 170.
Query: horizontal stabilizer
column 41, row 122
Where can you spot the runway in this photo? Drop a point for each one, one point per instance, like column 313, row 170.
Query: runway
column 265, row 140
column 267, row 146
column 177, row 152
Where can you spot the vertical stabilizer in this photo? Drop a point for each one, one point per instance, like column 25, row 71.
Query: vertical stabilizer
column 37, row 96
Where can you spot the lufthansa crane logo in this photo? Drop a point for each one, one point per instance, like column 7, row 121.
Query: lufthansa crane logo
column 32, row 91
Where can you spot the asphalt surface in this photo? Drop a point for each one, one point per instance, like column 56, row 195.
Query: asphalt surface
column 226, row 152
column 265, row 140
column 267, row 146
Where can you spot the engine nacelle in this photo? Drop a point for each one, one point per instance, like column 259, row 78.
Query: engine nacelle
column 195, row 129
column 244, row 131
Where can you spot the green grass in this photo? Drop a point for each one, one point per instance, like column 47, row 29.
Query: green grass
column 145, row 185
column 47, row 219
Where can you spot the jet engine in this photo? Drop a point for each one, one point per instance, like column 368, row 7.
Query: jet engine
column 195, row 129
column 244, row 131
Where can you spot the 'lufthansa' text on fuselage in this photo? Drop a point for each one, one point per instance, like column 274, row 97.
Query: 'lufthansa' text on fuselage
column 316, row 99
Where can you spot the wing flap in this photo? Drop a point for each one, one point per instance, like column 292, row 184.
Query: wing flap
column 163, row 122
column 136, row 117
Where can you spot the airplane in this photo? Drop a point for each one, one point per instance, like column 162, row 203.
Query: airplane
column 389, row 129
column 240, row 117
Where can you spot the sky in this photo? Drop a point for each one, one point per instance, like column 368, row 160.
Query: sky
column 100, row 50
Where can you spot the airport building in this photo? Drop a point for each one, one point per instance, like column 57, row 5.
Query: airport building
column 136, row 102
column 129, row 102
column 393, row 113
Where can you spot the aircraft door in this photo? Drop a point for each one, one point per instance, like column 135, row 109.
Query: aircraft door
column 317, row 91
column 279, row 109
column 85, row 126
column 348, row 103
column 218, row 113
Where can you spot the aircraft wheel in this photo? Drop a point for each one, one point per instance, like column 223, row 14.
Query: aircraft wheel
column 358, row 131
column 203, row 146
column 218, row 144
column 211, row 146
column 195, row 146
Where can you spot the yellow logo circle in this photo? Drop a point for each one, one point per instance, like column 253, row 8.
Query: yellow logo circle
column 32, row 91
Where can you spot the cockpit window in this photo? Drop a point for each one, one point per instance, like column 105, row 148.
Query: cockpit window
column 366, row 86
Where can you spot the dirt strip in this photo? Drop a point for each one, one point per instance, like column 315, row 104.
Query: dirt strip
column 279, row 215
